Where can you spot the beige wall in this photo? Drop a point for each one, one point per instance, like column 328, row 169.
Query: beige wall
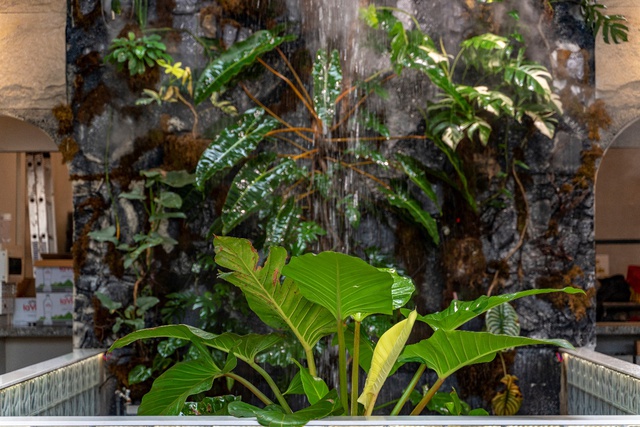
column 32, row 52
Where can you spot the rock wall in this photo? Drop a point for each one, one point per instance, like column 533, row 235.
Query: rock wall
column 541, row 237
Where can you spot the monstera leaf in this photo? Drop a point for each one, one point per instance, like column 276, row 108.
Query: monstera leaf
column 239, row 56
column 234, row 144
column 278, row 304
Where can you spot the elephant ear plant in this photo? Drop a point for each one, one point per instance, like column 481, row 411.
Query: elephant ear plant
column 314, row 297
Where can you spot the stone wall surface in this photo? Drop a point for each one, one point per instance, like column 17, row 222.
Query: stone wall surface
column 117, row 140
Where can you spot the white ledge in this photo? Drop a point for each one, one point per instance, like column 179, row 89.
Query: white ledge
column 21, row 375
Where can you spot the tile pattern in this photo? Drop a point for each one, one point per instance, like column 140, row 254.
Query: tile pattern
column 69, row 391
column 595, row 389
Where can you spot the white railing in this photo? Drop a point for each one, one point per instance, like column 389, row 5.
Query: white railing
column 598, row 390
column 421, row 421
column 68, row 385
column 597, row 384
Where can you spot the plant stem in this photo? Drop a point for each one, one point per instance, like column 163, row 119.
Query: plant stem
column 355, row 369
column 412, row 385
column 253, row 389
column 273, row 386
column 342, row 367
column 292, row 86
column 311, row 363
column 427, row 397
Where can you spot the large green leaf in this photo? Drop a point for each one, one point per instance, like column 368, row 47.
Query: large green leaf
column 253, row 187
column 234, row 144
column 281, row 222
column 447, row 351
column 171, row 389
column 327, row 83
column 269, row 417
column 244, row 347
column 385, row 355
column 278, row 304
column 185, row 332
column 343, row 284
column 404, row 201
column 240, row 55
column 460, row 312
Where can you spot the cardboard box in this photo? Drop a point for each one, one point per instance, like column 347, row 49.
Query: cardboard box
column 54, row 275
column 54, row 308
column 25, row 312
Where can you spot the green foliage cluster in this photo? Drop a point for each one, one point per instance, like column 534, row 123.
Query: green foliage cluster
column 314, row 297
column 136, row 53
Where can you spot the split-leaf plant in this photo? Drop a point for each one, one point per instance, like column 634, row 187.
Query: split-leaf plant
column 314, row 297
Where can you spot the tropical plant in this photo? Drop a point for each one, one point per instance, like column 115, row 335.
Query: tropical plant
column 157, row 192
column 313, row 297
column 280, row 188
column 136, row 53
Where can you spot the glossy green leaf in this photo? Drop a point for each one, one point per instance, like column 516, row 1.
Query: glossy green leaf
column 239, row 56
column 404, row 201
column 314, row 388
column 184, row 332
column 234, row 144
column 244, row 347
column 460, row 312
column 415, row 171
column 171, row 389
column 325, row 407
column 343, row 284
column 105, row 235
column 252, row 188
column 139, row 374
column 327, row 83
column 278, row 304
column 295, row 386
column 402, row 288
column 385, row 355
column 218, row 405
column 282, row 222
column 503, row 320
column 446, row 351
column 169, row 199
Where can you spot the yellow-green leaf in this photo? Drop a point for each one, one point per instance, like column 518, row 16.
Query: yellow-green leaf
column 384, row 356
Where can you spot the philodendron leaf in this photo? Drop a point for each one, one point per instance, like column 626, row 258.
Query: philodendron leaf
column 447, row 351
column 244, row 347
column 460, row 312
column 240, row 55
column 295, row 386
column 401, row 289
column 252, row 188
column 171, row 389
column 234, row 144
column 314, row 388
column 325, row 407
column 278, row 304
column 343, row 284
column 385, row 355
column 327, row 82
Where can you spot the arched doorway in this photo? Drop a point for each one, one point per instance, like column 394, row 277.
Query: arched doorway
column 617, row 219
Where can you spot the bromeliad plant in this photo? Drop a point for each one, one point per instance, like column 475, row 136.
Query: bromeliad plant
column 314, row 297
